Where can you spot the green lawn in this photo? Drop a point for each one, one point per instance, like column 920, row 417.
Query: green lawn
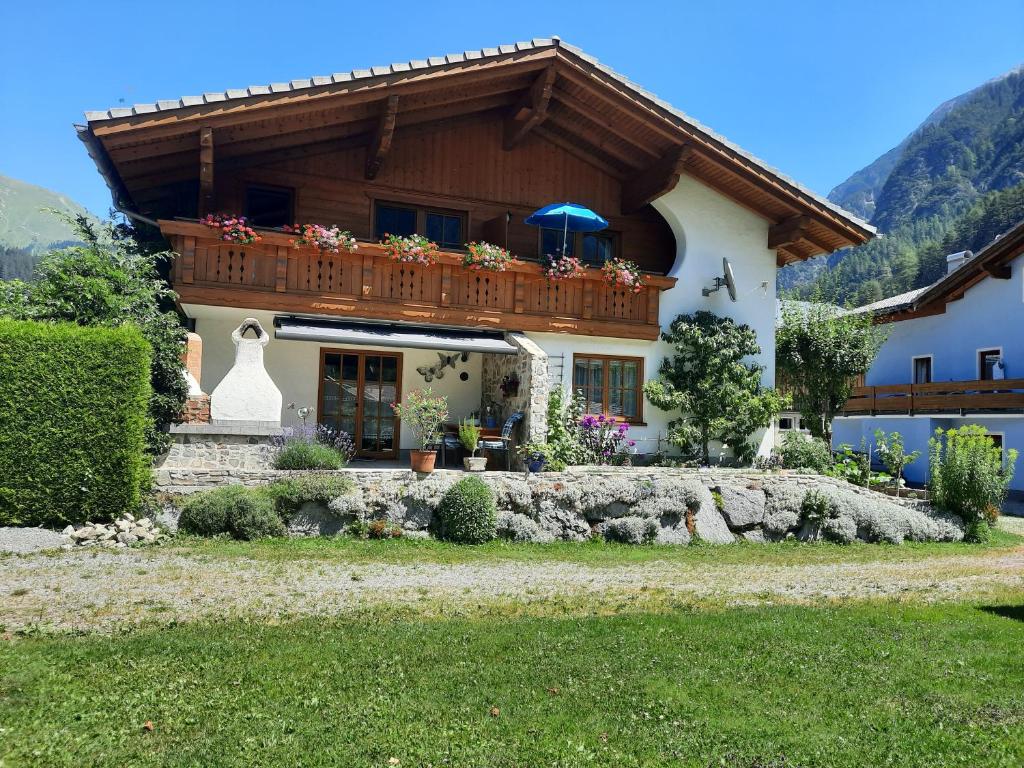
column 853, row 685
column 593, row 553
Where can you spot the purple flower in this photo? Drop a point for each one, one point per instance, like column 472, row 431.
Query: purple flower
column 632, row 443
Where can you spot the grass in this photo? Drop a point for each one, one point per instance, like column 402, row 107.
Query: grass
column 851, row 685
column 592, row 553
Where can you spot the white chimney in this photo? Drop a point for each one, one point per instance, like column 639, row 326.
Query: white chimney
column 956, row 260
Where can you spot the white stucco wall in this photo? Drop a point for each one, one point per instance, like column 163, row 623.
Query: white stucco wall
column 707, row 227
column 295, row 366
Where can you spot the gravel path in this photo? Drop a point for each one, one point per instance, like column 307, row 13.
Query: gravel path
column 93, row 590
column 30, row 539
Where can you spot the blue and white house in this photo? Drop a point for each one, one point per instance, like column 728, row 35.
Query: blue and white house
column 954, row 356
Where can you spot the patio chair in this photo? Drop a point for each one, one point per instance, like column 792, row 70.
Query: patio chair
column 449, row 442
column 504, row 442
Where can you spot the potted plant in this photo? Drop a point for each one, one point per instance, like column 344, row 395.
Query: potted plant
column 484, row 256
column 623, row 274
column 424, row 413
column 233, row 229
column 332, row 239
column 562, row 267
column 535, row 455
column 469, row 436
column 414, row 249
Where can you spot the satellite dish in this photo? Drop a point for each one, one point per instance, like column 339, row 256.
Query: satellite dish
column 727, row 280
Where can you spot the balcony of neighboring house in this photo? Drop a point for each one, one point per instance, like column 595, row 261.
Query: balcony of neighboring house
column 273, row 274
column 949, row 397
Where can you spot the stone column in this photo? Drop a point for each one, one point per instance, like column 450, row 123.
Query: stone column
column 197, row 406
column 530, row 365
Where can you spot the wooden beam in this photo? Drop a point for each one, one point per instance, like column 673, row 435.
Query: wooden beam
column 999, row 271
column 531, row 110
column 788, row 232
column 655, row 181
column 206, row 199
column 604, row 120
column 380, row 146
column 581, row 151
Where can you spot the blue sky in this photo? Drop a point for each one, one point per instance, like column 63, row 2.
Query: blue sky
column 817, row 89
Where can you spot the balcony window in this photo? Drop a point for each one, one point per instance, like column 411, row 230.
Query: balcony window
column 598, row 247
column 922, row 370
column 444, row 229
column 394, row 220
column 551, row 242
column 785, row 423
column 990, row 364
column 610, row 385
column 269, row 206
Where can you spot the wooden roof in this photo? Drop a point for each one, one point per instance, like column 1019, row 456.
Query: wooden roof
column 545, row 86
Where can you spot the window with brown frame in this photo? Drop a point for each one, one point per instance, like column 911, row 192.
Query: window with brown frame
column 269, row 206
column 610, row 385
column 445, row 227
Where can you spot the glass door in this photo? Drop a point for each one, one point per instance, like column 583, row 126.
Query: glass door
column 356, row 393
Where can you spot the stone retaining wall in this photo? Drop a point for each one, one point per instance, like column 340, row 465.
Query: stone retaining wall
column 632, row 504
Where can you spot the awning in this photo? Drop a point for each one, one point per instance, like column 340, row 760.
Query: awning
column 391, row 335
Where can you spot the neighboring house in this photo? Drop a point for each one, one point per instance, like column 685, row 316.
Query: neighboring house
column 458, row 148
column 954, row 356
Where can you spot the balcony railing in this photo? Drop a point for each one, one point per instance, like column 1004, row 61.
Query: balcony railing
column 938, row 397
column 275, row 275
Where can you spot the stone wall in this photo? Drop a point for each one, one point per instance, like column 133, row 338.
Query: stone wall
column 669, row 506
column 530, row 365
column 212, row 447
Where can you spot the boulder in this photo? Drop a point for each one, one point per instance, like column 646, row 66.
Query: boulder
column 742, row 507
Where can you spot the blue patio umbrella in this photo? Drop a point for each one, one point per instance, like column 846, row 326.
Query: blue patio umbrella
column 570, row 217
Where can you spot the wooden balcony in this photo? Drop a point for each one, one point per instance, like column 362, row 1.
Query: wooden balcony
column 276, row 276
column 955, row 397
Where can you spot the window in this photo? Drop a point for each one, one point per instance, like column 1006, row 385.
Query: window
column 610, row 385
column 446, row 228
column 785, row 423
column 393, row 220
column 990, row 364
column 269, row 206
column 598, row 248
column 922, row 370
column 551, row 242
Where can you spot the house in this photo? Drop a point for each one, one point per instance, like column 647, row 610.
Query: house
column 954, row 356
column 458, row 148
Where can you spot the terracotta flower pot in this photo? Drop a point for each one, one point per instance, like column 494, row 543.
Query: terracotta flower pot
column 475, row 463
column 422, row 461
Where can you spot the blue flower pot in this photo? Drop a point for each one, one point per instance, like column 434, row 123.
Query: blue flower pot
column 535, row 464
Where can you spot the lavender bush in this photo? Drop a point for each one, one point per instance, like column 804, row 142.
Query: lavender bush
column 294, row 439
column 605, row 439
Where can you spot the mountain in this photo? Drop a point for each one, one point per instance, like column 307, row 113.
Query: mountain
column 859, row 192
column 27, row 228
column 924, row 192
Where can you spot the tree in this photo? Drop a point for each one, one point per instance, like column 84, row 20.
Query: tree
column 893, row 455
column 820, row 351
column 718, row 395
column 111, row 280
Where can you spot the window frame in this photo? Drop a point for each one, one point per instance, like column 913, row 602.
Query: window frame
column 289, row 191
column 637, row 420
column 575, row 241
column 978, row 359
column 787, row 428
column 604, row 234
column 931, row 368
column 421, row 210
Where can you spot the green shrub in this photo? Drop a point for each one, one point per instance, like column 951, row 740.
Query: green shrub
column 253, row 516
column 245, row 513
column 967, row 475
column 817, row 507
column 798, row 452
column 72, row 422
column 299, row 454
column 468, row 512
column 631, row 530
column 206, row 513
column 289, row 495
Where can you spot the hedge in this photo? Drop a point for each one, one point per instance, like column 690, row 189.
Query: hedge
column 73, row 406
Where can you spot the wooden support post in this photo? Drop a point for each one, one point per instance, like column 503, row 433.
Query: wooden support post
column 588, row 299
column 367, row 275
column 531, row 110
column 188, row 260
column 655, row 181
column 446, row 285
column 206, row 199
column 653, row 302
column 281, row 277
column 383, row 137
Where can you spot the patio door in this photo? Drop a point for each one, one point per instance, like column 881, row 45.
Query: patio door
column 356, row 393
